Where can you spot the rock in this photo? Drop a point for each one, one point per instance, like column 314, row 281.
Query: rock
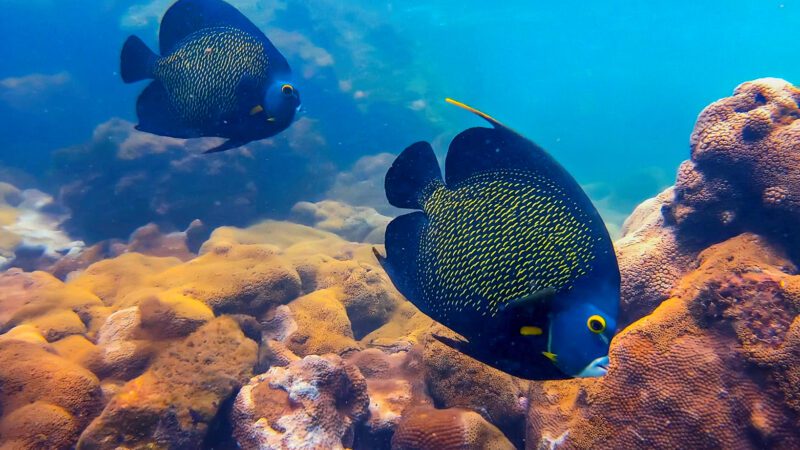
column 353, row 223
column 709, row 368
column 311, row 403
column 172, row 403
column 447, row 429
column 41, row 300
column 322, row 325
column 456, row 380
column 395, row 384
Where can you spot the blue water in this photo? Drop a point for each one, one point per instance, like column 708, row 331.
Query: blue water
column 610, row 88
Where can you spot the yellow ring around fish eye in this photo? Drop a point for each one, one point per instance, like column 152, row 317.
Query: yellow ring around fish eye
column 287, row 89
column 596, row 324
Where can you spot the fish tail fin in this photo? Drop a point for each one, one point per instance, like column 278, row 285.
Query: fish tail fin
column 137, row 61
column 403, row 235
column 413, row 176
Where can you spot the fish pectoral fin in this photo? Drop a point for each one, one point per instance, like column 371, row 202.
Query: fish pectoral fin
column 531, row 301
column 227, row 145
column 461, row 345
column 378, row 255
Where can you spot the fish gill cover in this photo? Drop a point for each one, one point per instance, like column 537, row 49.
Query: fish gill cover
column 153, row 296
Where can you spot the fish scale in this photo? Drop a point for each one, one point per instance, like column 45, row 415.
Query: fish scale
column 559, row 249
column 198, row 98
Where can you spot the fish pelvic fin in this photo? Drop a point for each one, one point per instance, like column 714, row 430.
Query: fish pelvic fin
column 230, row 144
column 414, row 175
column 137, row 61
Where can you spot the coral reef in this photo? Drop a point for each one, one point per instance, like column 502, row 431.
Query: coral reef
column 713, row 367
column 282, row 335
column 122, row 179
column 743, row 174
column 447, row 429
column 354, row 223
column 314, row 402
column 30, row 234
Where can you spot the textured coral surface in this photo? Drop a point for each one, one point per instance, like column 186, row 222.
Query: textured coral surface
column 288, row 336
column 714, row 367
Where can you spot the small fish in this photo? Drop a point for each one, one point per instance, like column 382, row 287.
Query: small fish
column 218, row 75
column 509, row 252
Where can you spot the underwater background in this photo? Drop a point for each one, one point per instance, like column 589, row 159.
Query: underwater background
column 610, row 88
column 155, row 297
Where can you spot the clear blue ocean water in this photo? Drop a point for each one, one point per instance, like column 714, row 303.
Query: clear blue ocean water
column 610, row 88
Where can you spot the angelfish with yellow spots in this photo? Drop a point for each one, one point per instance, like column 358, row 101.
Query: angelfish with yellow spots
column 217, row 75
column 507, row 251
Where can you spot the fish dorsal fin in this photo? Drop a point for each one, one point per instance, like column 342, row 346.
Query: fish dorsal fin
column 188, row 16
column 412, row 176
column 480, row 149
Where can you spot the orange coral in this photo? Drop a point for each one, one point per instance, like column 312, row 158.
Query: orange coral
column 45, row 400
column 456, row 380
column 447, row 429
column 173, row 402
column 709, row 368
column 311, row 403
column 744, row 169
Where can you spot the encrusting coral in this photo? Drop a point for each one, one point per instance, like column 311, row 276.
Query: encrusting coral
column 447, row 429
column 311, row 403
column 150, row 343
column 743, row 174
column 709, row 368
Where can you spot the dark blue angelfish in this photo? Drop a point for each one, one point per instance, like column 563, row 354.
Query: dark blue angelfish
column 218, row 75
column 509, row 252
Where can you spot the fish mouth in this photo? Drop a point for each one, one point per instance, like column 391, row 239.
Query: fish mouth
column 596, row 368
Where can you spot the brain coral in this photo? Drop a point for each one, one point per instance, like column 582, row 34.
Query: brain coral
column 714, row 367
column 172, row 403
column 456, row 380
column 651, row 259
column 45, row 400
column 743, row 174
column 312, row 403
column 447, row 429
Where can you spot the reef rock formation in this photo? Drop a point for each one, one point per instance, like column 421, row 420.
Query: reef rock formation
column 714, row 367
column 447, row 429
column 456, row 380
column 743, row 174
column 30, row 234
column 135, row 178
column 172, row 404
column 311, row 403
column 354, row 223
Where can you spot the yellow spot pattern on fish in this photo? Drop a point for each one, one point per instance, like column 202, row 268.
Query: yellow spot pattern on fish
column 202, row 75
column 498, row 236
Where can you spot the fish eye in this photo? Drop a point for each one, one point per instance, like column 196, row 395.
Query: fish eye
column 287, row 89
column 596, row 324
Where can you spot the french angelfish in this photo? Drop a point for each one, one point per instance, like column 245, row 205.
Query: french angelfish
column 508, row 252
column 218, row 75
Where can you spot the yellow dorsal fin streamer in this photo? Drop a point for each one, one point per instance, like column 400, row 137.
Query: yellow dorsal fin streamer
column 489, row 118
column 256, row 109
column 530, row 331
